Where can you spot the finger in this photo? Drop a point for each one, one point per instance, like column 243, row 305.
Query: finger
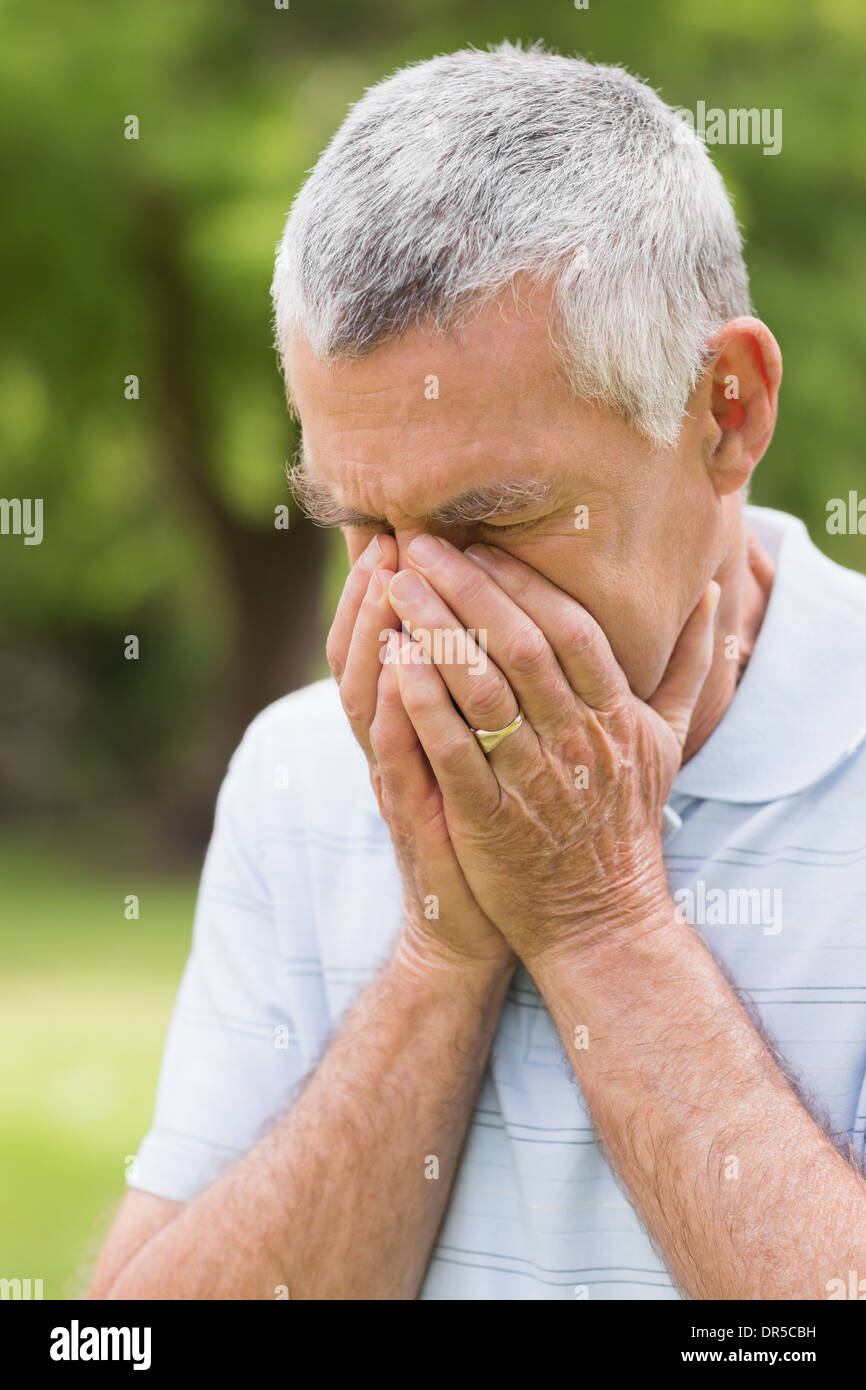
column 677, row 695
column 374, row 626
column 382, row 550
column 464, row 775
column 579, row 644
column 401, row 762
column 396, row 744
column 473, row 602
column 476, row 684
column 411, row 801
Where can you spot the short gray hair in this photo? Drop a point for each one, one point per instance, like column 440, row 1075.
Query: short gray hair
column 456, row 175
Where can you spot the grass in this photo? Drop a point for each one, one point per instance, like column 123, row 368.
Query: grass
column 85, row 999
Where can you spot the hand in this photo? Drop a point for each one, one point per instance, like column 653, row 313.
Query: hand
column 441, row 915
column 558, row 830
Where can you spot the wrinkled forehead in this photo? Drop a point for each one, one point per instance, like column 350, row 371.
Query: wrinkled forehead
column 422, row 419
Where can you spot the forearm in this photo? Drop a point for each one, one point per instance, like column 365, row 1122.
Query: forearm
column 741, row 1190
column 339, row 1201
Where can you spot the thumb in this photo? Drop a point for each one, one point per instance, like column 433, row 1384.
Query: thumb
column 677, row 695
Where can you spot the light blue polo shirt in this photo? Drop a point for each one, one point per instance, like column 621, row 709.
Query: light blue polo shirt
column 765, row 846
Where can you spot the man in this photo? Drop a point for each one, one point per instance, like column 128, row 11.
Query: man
column 576, row 1009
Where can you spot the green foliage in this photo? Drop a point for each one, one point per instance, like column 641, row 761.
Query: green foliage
column 234, row 103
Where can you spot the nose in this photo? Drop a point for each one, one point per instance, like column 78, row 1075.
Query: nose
column 457, row 536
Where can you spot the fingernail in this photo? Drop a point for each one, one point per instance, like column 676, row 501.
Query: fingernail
column 716, row 591
column 483, row 556
column 406, row 586
column 371, row 556
column 378, row 583
column 426, row 551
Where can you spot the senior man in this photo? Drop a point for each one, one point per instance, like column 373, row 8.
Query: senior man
column 590, row 1021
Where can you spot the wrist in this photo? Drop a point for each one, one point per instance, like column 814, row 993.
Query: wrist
column 420, row 954
column 605, row 948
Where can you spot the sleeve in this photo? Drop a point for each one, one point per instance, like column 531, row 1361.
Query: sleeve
column 232, row 1060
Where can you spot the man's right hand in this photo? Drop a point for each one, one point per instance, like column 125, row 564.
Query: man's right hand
column 442, row 918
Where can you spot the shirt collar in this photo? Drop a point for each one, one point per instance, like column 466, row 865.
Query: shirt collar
column 800, row 708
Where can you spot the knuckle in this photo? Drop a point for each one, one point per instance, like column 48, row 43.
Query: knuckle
column 520, row 581
column 388, row 689
column 472, row 584
column 528, row 650
column 452, row 755
column 334, row 655
column 382, row 740
column 579, row 638
column 487, row 702
column 354, row 707
column 414, row 697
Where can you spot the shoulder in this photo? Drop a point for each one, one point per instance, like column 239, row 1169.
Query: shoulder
column 299, row 759
column 309, row 716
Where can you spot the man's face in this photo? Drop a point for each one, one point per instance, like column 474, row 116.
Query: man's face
column 427, row 420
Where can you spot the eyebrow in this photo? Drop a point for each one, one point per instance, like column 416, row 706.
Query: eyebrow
column 497, row 498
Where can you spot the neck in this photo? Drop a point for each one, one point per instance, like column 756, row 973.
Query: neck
column 746, row 579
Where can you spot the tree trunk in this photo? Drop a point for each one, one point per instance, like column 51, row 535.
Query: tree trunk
column 274, row 576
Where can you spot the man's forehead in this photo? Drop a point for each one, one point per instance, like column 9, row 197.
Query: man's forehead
column 438, row 427
column 490, row 373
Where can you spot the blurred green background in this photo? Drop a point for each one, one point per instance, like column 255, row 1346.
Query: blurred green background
column 153, row 257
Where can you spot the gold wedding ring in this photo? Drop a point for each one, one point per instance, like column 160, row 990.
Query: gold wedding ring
column 491, row 738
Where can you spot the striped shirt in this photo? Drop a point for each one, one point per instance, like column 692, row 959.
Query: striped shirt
column 765, row 848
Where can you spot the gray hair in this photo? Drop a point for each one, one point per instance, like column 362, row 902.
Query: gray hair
column 454, row 176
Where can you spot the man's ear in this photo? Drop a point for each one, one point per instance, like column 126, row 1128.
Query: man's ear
column 743, row 378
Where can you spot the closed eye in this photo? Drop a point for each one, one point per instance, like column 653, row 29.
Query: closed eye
column 506, row 530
